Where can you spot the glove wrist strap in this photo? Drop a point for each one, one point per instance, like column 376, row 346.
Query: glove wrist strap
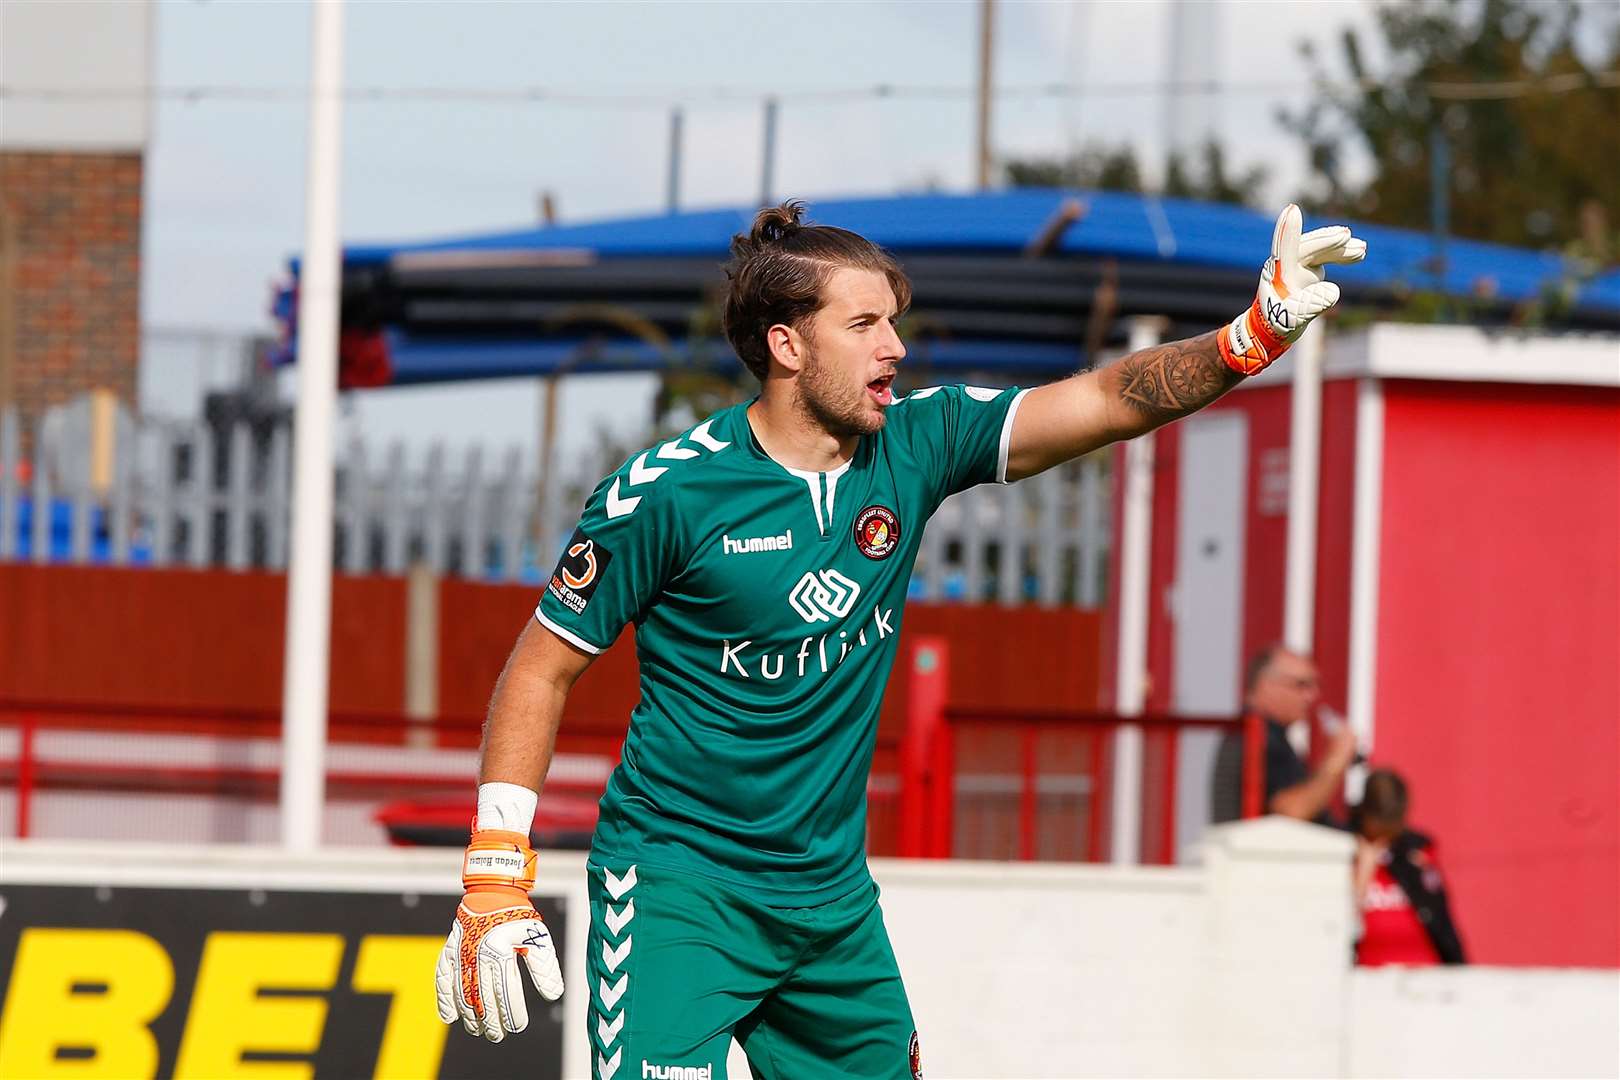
column 498, row 859
column 1248, row 343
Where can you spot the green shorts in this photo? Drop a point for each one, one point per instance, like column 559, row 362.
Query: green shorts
column 677, row 965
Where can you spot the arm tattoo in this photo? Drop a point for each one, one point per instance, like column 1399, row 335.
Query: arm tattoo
column 1169, row 381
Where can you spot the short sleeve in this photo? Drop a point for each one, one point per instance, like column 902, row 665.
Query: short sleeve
column 962, row 433
column 615, row 564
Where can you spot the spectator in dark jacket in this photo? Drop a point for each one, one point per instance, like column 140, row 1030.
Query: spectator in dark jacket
column 1280, row 688
column 1405, row 915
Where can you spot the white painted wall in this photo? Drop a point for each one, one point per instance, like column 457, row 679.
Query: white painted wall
column 1484, row 1022
column 1232, row 969
column 1237, row 967
column 67, row 49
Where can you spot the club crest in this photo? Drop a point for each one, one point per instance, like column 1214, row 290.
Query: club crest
column 877, row 531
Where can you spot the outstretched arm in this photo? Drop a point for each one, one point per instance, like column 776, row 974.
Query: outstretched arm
column 1146, row 389
column 1154, row 386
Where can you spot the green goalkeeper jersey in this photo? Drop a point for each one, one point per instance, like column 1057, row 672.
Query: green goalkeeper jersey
column 767, row 604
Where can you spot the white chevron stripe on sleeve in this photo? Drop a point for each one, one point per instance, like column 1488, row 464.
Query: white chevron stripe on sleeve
column 674, row 451
column 617, row 507
column 641, row 474
column 701, row 436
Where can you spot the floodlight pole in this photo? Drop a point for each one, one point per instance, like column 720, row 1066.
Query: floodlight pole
column 309, row 575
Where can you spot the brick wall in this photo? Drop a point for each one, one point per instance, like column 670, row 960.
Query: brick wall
column 72, row 230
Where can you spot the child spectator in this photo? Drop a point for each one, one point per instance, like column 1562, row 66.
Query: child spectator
column 1405, row 916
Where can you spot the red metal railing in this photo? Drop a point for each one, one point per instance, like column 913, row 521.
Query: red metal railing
column 986, row 783
column 31, row 773
column 968, row 783
column 236, row 768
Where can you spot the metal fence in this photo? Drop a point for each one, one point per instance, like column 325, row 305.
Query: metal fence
column 194, row 494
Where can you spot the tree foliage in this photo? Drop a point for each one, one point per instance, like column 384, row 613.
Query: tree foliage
column 1533, row 160
column 1100, row 167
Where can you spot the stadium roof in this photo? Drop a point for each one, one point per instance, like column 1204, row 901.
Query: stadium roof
column 1003, row 282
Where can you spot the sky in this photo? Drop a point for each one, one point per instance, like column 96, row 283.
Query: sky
column 224, row 201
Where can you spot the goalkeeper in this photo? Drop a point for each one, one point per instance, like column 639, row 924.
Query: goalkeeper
column 764, row 556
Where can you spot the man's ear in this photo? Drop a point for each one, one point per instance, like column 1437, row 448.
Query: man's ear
column 787, row 347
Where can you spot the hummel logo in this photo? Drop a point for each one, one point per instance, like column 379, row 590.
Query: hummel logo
column 823, row 597
column 649, row 1071
column 757, row 543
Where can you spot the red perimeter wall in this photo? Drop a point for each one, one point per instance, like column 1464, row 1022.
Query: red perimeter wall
column 209, row 639
column 1498, row 686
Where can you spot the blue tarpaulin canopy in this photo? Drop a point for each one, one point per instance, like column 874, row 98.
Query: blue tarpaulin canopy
column 510, row 302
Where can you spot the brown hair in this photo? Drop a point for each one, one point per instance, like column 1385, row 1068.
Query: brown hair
column 777, row 272
column 1383, row 797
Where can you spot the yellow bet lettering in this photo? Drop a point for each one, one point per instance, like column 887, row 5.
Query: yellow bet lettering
column 228, row 1016
column 123, row 980
column 413, row 1037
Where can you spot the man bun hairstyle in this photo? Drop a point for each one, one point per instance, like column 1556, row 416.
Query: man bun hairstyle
column 778, row 269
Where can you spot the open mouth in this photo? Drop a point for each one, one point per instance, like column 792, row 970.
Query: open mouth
column 882, row 390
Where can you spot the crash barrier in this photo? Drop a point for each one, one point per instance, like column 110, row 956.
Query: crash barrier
column 211, row 960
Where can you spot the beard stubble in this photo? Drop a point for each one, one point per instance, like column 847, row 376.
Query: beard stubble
column 832, row 403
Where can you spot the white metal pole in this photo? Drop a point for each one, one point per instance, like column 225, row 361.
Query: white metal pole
column 1365, row 532
column 309, row 576
column 1130, row 687
column 1304, row 458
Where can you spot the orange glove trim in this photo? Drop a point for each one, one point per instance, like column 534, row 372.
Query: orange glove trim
column 499, row 859
column 1255, row 346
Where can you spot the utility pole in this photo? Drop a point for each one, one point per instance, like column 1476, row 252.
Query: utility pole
column 675, row 121
column 767, row 166
column 987, row 18
column 1439, row 198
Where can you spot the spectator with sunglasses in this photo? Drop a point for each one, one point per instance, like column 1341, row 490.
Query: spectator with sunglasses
column 1281, row 689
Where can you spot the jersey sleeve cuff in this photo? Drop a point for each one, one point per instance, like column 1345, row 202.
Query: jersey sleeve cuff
column 1006, row 437
column 566, row 634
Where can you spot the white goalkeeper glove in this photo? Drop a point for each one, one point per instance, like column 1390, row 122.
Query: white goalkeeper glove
column 477, row 980
column 1293, row 290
